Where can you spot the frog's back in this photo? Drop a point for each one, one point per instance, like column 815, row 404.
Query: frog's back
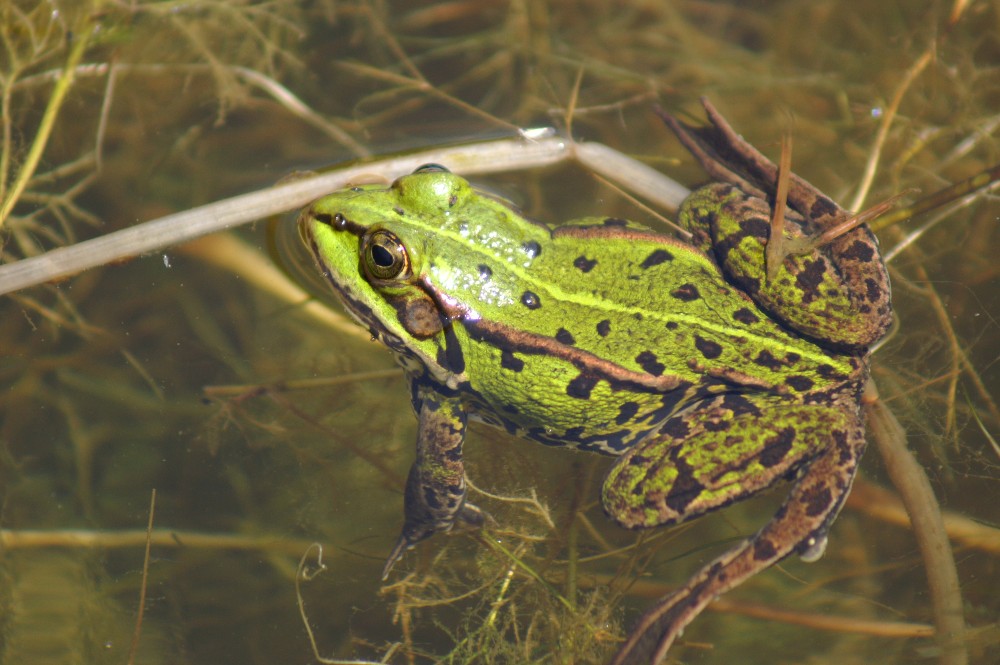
column 615, row 328
column 652, row 304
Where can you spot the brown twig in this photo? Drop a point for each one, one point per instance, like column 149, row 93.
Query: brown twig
column 928, row 527
column 888, row 116
column 134, row 647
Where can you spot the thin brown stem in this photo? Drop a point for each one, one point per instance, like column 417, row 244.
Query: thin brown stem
column 887, row 118
column 775, row 251
column 134, row 646
column 928, row 527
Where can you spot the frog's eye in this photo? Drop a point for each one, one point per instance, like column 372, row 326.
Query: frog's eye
column 384, row 256
column 431, row 168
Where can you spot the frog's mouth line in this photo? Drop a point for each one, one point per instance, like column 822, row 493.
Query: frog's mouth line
column 359, row 311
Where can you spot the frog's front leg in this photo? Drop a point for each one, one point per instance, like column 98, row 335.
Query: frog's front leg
column 435, row 487
column 722, row 451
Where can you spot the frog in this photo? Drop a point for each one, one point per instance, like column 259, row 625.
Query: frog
column 708, row 379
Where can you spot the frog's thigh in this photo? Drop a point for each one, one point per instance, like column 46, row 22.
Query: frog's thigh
column 839, row 292
column 720, row 452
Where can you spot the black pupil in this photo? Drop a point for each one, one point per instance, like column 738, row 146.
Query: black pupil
column 381, row 256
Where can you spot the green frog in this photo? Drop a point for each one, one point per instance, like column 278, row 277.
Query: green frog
column 708, row 379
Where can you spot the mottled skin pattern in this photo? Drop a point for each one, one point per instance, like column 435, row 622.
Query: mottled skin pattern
column 708, row 380
column 838, row 296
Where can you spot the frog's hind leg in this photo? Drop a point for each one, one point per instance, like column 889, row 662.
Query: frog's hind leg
column 719, row 460
column 838, row 292
column 845, row 300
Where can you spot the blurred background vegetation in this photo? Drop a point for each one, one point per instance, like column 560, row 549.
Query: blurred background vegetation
column 116, row 112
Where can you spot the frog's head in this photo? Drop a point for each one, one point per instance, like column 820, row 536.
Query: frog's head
column 372, row 242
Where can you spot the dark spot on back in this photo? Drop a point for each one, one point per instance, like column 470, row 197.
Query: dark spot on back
column 615, row 221
column 739, row 405
column 647, row 361
column 604, row 327
column 583, row 264
column 581, row 386
column 564, row 336
column 686, row 292
column 745, row 316
column 766, row 359
column 485, row 272
column 532, row 249
column 657, row 257
column 800, row 383
column 829, row 372
column 530, row 300
column 708, row 348
column 509, row 361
